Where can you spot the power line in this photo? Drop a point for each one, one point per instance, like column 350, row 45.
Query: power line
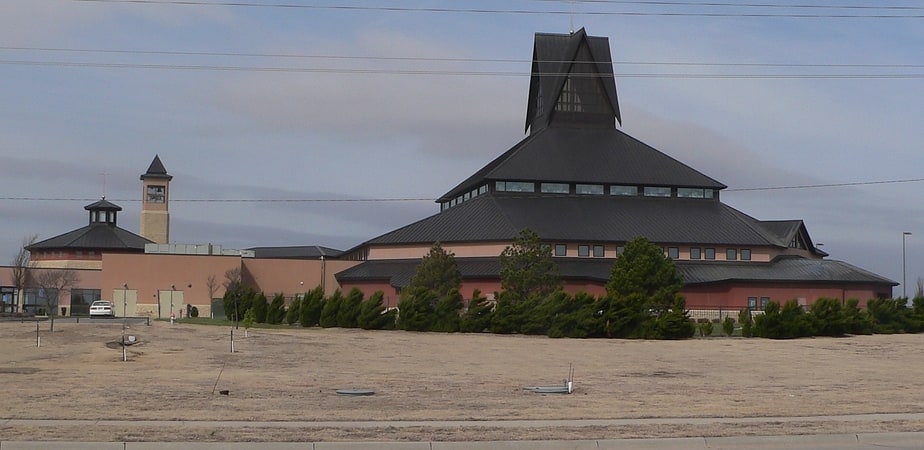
column 345, row 71
column 551, row 12
column 434, row 59
column 425, row 199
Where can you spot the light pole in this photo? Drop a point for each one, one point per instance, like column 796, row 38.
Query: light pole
column 124, row 302
column 904, row 286
column 172, row 288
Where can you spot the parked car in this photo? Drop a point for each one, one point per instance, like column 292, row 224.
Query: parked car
column 101, row 308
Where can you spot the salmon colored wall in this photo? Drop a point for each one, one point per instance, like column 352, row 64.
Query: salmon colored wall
column 86, row 279
column 292, row 276
column 737, row 297
column 147, row 274
column 419, row 251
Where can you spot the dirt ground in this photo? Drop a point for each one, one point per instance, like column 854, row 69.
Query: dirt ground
column 176, row 372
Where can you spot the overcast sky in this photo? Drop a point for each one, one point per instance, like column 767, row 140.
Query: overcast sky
column 279, row 102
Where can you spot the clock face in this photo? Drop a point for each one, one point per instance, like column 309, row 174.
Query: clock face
column 156, row 194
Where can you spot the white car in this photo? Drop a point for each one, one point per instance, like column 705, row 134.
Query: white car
column 101, row 308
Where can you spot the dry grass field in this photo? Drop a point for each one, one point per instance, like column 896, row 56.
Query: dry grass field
column 176, row 373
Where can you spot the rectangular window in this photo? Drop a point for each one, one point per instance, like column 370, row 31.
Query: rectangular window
column 598, row 251
column 629, row 191
column 654, row 191
column 589, row 189
column 521, row 186
column 708, row 193
column 619, row 250
column 731, row 254
column 752, row 303
column 8, row 301
column 483, row 189
column 156, row 194
column 555, row 188
column 763, row 302
column 745, row 254
column 696, row 253
column 467, row 196
column 500, row 186
column 710, row 253
column 691, row 193
column 673, row 253
column 583, row 250
column 561, row 250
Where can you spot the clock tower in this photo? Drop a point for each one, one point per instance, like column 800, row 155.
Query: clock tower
column 155, row 214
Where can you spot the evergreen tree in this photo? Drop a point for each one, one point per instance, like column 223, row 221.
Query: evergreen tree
column 507, row 314
column 477, row 318
column 527, row 269
column 644, row 270
column 417, row 309
column 276, row 312
column 372, row 315
column 348, row 313
column 260, row 308
column 437, row 273
column 293, row 312
column 643, row 294
column 310, row 313
column 577, row 317
column 447, row 313
column 331, row 309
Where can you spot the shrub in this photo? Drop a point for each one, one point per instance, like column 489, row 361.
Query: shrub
column 786, row 322
column 675, row 323
column 827, row 317
column 856, row 321
column 193, row 312
column 747, row 322
column 888, row 315
column 728, row 326
column 249, row 319
column 578, row 317
column 705, row 329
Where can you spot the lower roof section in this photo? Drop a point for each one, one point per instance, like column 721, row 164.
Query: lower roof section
column 792, row 270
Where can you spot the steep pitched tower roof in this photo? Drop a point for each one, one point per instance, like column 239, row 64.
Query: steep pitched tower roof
column 572, row 82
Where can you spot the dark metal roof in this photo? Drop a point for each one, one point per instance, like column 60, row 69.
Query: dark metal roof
column 296, row 252
column 586, row 155
column 97, row 236
column 102, row 205
column 574, row 218
column 156, row 170
column 782, row 270
column 558, row 56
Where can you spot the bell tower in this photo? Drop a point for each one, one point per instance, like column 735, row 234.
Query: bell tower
column 155, row 213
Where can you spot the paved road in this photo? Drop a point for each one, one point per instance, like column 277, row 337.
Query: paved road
column 468, row 423
column 861, row 441
column 865, row 441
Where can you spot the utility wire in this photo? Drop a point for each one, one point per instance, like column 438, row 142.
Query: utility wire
column 423, row 199
column 345, row 71
column 433, row 59
column 528, row 11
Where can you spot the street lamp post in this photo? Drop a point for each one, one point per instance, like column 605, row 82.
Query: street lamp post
column 124, row 302
column 172, row 288
column 904, row 278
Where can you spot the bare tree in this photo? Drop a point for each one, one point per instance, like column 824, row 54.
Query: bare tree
column 22, row 265
column 52, row 283
column 919, row 292
column 232, row 278
column 212, row 284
